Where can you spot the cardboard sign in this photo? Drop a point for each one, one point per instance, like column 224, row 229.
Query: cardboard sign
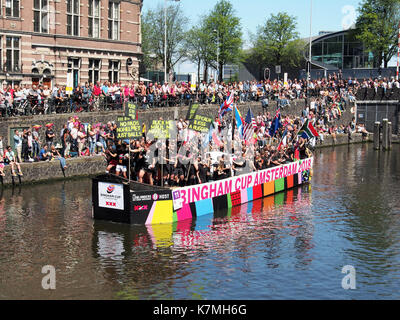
column 128, row 128
column 201, row 123
column 130, row 110
column 192, row 111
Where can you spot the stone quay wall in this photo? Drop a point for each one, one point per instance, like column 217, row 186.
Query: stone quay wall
column 8, row 124
column 88, row 166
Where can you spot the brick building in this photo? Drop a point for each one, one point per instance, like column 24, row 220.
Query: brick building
column 41, row 40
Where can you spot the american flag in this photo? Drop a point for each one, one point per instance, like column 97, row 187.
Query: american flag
column 249, row 126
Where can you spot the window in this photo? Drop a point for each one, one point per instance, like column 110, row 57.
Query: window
column 94, row 18
column 12, row 53
column 113, row 71
column 113, row 20
column 73, row 17
column 74, row 65
column 12, row 8
column 94, row 70
column 40, row 16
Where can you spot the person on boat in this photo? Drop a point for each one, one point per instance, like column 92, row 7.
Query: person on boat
column 122, row 161
column 222, row 170
column 201, row 171
column 112, row 158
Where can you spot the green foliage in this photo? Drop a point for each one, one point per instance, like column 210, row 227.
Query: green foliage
column 377, row 28
column 228, row 33
column 277, row 43
column 153, row 35
column 200, row 46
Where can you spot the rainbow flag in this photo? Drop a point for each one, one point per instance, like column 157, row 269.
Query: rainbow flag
column 239, row 121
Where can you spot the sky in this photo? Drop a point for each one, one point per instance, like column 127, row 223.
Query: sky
column 326, row 15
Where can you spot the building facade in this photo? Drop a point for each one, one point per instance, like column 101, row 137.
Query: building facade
column 95, row 40
column 339, row 50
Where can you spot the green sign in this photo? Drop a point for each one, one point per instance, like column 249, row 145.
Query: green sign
column 128, row 128
column 192, row 111
column 160, row 129
column 130, row 110
column 200, row 123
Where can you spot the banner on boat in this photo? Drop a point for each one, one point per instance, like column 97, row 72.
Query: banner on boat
column 111, row 196
column 191, row 194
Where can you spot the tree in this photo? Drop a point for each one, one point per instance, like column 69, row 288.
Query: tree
column 225, row 27
column 377, row 28
column 153, row 35
column 275, row 38
column 201, row 47
column 276, row 43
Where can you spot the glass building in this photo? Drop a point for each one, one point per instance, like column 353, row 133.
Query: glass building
column 339, row 50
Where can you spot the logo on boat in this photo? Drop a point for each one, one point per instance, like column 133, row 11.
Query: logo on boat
column 176, row 195
column 141, row 208
column 110, row 188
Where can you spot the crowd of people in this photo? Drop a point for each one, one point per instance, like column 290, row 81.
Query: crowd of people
column 40, row 99
column 329, row 99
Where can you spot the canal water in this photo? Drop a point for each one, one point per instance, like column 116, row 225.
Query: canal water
column 289, row 246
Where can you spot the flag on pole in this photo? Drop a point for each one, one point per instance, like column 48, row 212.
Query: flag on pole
column 308, row 131
column 284, row 140
column 239, row 121
column 276, row 123
column 249, row 126
column 227, row 105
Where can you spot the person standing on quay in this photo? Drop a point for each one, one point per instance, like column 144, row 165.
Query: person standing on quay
column 18, row 145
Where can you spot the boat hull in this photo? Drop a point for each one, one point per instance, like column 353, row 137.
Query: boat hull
column 119, row 201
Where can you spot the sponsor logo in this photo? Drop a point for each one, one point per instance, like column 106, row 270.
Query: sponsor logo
column 140, row 208
column 111, row 204
column 155, row 197
column 139, row 198
column 110, row 188
column 176, row 195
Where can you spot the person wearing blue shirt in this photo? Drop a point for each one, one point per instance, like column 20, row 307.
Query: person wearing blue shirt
column 18, row 145
column 44, row 154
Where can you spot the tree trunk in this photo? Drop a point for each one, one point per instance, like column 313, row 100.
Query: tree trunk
column 198, row 71
column 221, row 69
column 205, row 74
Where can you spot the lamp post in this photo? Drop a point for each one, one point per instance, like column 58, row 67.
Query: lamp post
column 309, row 53
column 215, row 30
column 165, row 37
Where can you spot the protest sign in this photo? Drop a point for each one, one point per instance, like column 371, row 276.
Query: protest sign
column 192, row 111
column 130, row 110
column 160, row 129
column 128, row 128
column 200, row 123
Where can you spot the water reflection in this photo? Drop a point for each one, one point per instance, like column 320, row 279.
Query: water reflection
column 288, row 246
